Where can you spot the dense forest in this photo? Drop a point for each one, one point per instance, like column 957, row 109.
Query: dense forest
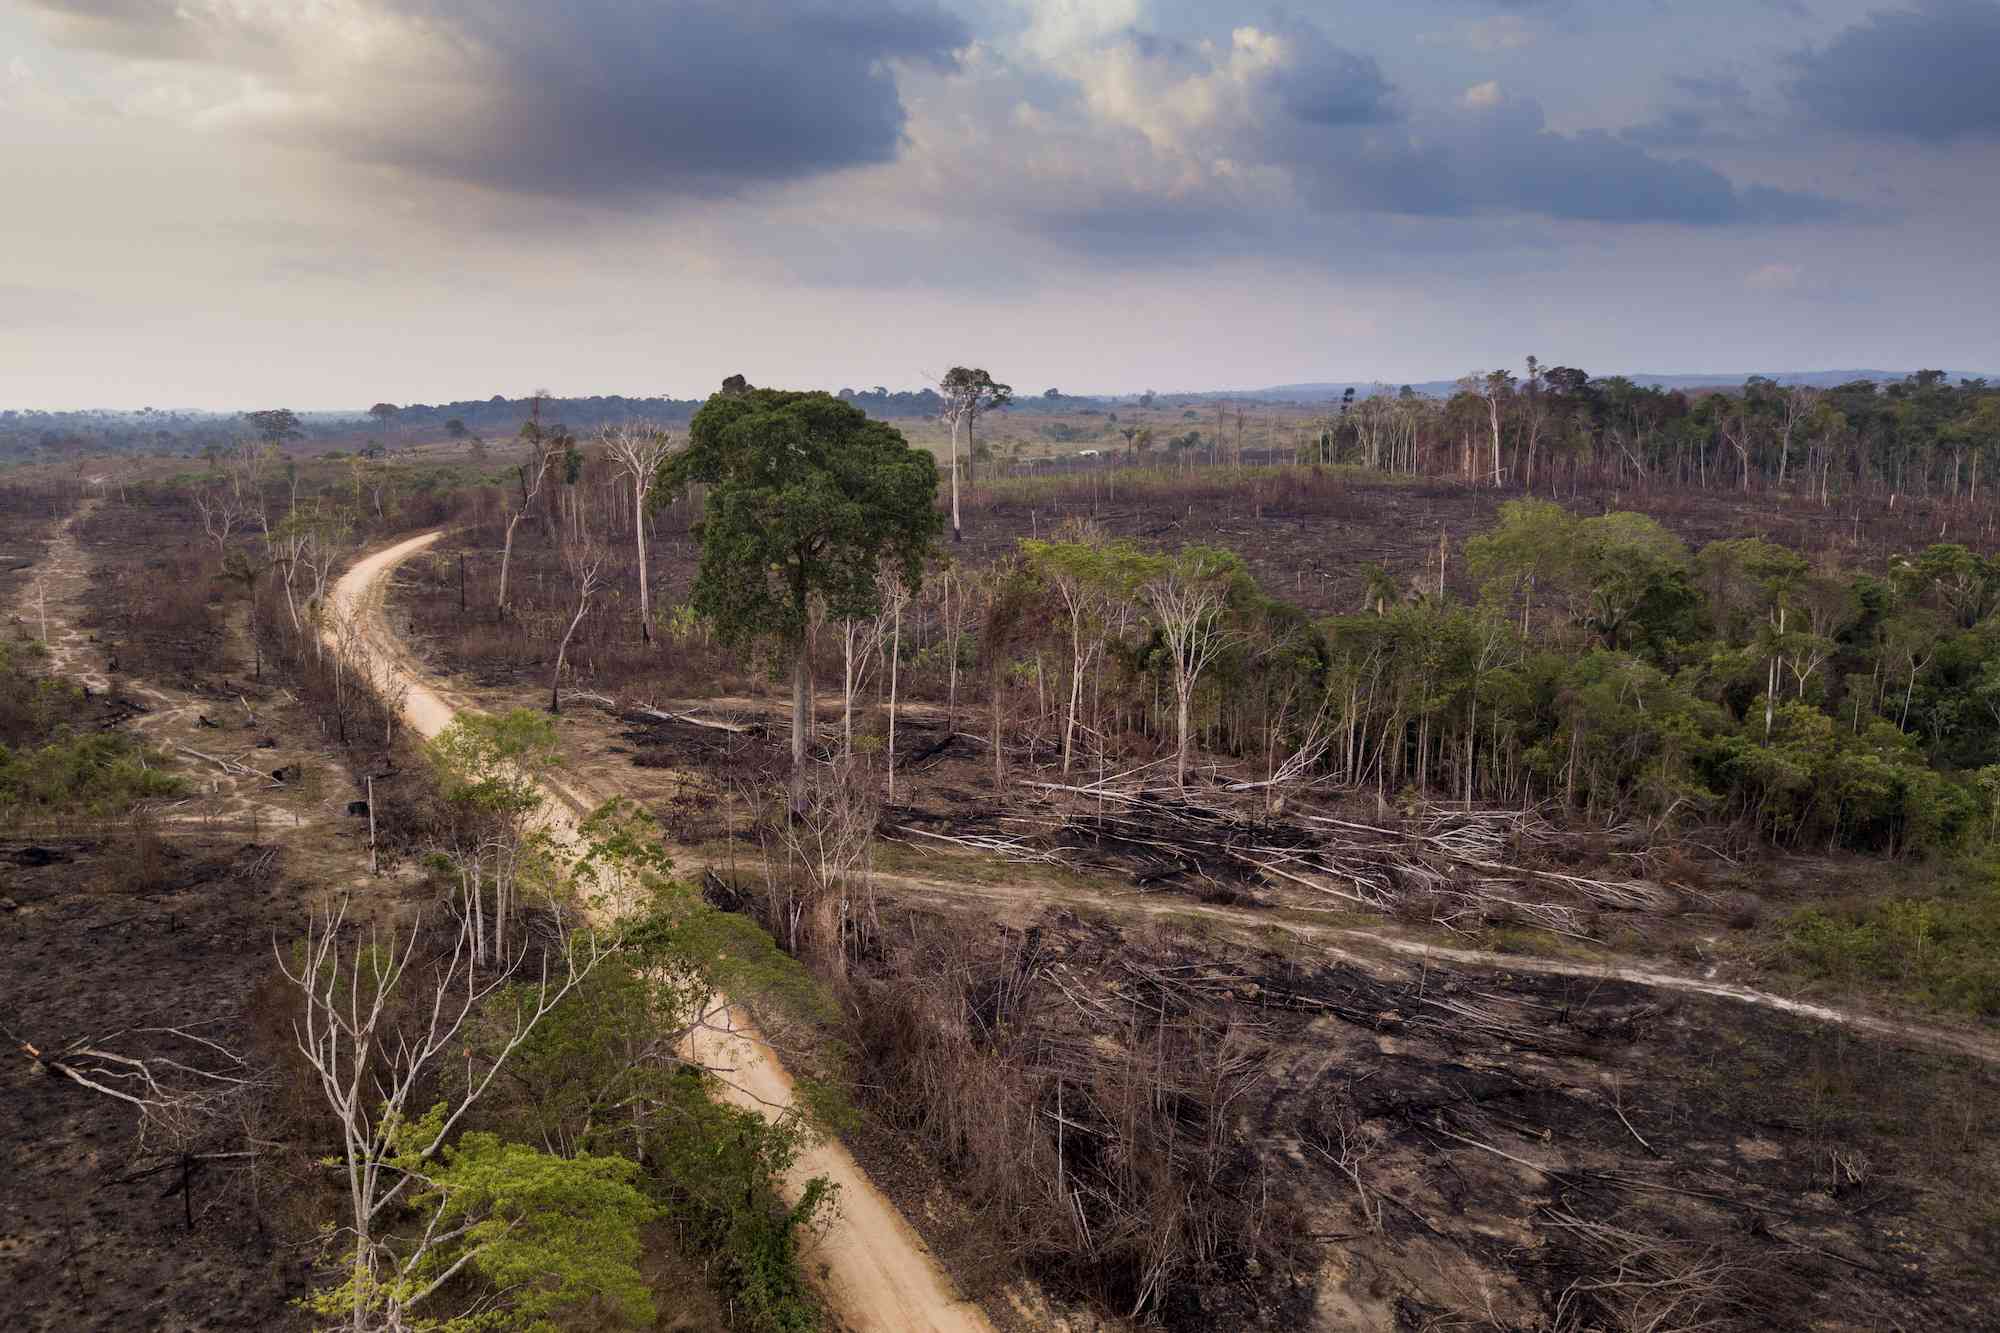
column 1555, row 427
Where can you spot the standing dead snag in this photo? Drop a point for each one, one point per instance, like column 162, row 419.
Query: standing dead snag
column 377, row 1018
column 1188, row 601
column 818, row 854
column 221, row 516
column 639, row 451
column 898, row 597
column 544, row 447
column 1090, row 577
column 954, row 620
column 861, row 642
column 1009, row 598
column 581, row 561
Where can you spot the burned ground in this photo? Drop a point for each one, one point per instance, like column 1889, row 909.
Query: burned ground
column 1111, row 1040
column 118, row 928
column 96, row 1234
column 1309, row 536
column 1444, row 1147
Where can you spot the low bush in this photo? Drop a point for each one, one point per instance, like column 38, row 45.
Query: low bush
column 1941, row 949
column 93, row 776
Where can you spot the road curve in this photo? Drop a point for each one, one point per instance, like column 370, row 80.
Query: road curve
column 879, row 1273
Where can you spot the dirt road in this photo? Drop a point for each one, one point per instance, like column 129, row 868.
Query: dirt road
column 879, row 1273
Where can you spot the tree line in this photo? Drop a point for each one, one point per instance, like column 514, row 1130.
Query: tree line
column 1554, row 428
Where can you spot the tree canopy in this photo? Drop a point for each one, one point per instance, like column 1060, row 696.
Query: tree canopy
column 808, row 497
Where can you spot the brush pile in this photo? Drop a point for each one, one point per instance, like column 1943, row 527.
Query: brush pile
column 1462, row 869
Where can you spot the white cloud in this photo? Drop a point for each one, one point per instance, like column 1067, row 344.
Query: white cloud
column 1059, row 28
column 1483, row 96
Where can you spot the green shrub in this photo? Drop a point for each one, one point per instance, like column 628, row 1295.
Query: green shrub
column 91, row 776
column 1943, row 950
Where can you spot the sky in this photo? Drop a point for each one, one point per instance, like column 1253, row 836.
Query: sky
column 325, row 203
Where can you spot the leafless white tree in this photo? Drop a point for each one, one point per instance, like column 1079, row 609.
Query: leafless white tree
column 638, row 452
column 378, row 1016
column 860, row 649
column 534, row 474
column 956, row 608
column 1797, row 405
column 1188, row 600
column 895, row 596
column 581, row 561
column 221, row 516
column 174, row 1094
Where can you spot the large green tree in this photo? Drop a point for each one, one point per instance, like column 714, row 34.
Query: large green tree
column 808, row 498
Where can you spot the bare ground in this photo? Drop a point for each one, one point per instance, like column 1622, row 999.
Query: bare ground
column 165, row 920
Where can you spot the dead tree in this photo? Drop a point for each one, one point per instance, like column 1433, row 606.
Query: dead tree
column 221, row 516
column 860, row 647
column 820, row 845
column 377, row 1018
column 639, row 451
column 1188, row 601
column 533, row 475
column 955, row 610
column 581, row 560
column 895, row 596
column 187, row 1094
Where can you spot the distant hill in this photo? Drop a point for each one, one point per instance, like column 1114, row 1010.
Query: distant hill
column 1818, row 379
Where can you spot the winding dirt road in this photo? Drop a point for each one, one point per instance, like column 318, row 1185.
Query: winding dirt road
column 879, row 1273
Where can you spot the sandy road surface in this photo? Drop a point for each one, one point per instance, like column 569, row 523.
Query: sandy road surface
column 880, row 1275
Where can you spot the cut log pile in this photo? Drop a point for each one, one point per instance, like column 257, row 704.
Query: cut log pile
column 1460, row 869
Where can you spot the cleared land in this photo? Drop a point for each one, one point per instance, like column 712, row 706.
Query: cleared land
column 1277, row 1108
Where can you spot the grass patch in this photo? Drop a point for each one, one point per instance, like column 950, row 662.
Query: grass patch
column 1940, row 949
column 48, row 769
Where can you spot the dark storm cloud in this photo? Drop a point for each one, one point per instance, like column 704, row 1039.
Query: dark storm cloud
column 1326, row 86
column 1931, row 73
column 1351, row 148
column 606, row 100
column 610, row 98
column 1503, row 159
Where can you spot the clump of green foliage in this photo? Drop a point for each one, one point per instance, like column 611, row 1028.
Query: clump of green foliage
column 1604, row 669
column 1941, row 949
column 92, row 776
column 603, row 1078
column 51, row 770
column 560, row 1236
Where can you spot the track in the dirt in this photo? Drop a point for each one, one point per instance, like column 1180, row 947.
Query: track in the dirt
column 879, row 1273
